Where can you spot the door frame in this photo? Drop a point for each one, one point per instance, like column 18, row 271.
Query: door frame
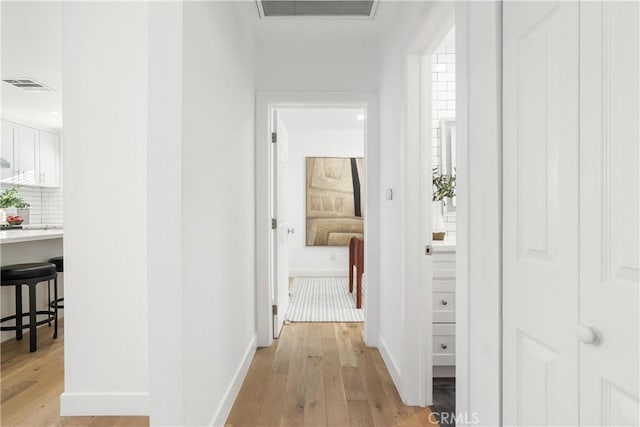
column 479, row 211
column 418, row 321
column 265, row 102
column 479, row 205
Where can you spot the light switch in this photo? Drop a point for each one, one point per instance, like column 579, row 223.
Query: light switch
column 388, row 194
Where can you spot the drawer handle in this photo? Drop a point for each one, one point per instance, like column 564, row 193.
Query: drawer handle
column 444, row 346
column 443, row 302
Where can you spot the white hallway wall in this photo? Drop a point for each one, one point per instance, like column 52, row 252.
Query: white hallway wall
column 392, row 212
column 218, row 207
column 315, row 260
column 105, row 107
column 200, row 269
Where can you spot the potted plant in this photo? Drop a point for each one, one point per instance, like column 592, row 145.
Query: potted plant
column 444, row 187
column 9, row 198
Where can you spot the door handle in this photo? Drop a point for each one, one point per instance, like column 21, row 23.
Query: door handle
column 586, row 334
column 291, row 230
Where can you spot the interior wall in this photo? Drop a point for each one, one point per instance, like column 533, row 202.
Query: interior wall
column 298, row 60
column 105, row 105
column 218, row 210
column 392, row 213
column 313, row 142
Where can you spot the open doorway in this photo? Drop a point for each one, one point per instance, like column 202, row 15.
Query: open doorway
column 332, row 133
column 443, row 272
column 319, row 198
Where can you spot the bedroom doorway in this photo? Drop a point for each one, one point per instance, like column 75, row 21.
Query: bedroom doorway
column 317, row 173
column 319, row 191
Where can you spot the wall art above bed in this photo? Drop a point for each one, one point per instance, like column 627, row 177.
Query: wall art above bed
column 335, row 200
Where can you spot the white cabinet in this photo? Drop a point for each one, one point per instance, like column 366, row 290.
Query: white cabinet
column 33, row 156
column 443, row 306
column 49, row 160
column 8, row 152
column 25, row 143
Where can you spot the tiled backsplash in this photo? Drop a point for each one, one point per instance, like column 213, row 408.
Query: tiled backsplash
column 443, row 106
column 46, row 203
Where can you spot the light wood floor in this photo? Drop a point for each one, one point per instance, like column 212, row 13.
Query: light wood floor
column 32, row 384
column 321, row 374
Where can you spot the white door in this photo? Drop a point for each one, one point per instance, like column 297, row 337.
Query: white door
column 540, row 208
column 49, row 151
column 281, row 237
column 610, row 213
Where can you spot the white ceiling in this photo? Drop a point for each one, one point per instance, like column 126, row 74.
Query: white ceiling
column 31, row 47
column 322, row 119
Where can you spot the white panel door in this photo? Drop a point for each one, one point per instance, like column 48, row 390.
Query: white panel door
column 49, row 152
column 281, row 240
column 610, row 213
column 540, row 198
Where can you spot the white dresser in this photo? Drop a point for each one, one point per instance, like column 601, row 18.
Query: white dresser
column 444, row 308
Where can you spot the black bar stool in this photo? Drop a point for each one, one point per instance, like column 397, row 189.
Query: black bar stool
column 28, row 274
column 57, row 302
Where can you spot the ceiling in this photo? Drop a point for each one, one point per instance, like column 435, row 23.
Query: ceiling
column 323, row 119
column 31, row 48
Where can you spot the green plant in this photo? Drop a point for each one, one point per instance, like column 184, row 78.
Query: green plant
column 443, row 185
column 9, row 199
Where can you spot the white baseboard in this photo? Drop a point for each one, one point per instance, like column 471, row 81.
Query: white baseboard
column 221, row 415
column 392, row 366
column 78, row 404
column 341, row 272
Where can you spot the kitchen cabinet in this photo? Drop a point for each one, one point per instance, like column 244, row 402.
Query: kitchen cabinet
column 33, row 156
column 49, row 159
column 8, row 165
column 25, row 140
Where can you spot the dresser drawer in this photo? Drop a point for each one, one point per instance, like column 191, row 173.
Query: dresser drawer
column 444, row 307
column 444, row 285
column 444, row 266
column 444, row 342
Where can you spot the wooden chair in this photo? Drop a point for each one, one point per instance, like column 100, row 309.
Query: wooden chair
column 353, row 253
column 360, row 272
column 356, row 259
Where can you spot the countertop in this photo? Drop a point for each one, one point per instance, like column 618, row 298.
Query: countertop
column 448, row 245
column 29, row 235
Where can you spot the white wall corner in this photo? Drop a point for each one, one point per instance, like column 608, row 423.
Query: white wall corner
column 221, row 415
column 391, row 365
column 104, row 404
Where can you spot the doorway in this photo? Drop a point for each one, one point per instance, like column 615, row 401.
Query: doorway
column 307, row 143
column 319, row 197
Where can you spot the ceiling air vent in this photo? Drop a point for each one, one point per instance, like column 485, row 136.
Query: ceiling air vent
column 317, row 8
column 28, row 84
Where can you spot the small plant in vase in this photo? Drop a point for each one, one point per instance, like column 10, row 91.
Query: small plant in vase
column 9, row 198
column 444, row 187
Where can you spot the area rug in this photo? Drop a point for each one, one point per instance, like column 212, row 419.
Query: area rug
column 323, row 299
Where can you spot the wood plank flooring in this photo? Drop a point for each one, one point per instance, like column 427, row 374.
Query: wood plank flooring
column 32, row 384
column 321, row 374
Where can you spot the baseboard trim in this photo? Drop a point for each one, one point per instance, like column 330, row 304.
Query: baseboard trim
column 81, row 404
column 392, row 366
column 343, row 272
column 221, row 415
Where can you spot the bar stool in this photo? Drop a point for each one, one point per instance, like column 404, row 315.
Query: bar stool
column 27, row 274
column 57, row 302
